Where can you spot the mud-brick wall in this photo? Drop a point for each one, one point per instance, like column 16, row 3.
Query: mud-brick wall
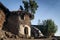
column 2, row 19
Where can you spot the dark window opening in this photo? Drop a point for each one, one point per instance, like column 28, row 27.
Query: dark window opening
column 26, row 30
column 22, row 17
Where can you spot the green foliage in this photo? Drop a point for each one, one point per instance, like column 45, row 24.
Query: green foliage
column 29, row 6
column 48, row 27
column 21, row 7
column 26, row 5
column 33, row 6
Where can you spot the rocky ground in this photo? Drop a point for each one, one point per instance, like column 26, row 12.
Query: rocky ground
column 6, row 35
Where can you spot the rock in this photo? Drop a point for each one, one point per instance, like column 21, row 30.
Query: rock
column 8, row 35
column 2, row 34
column 2, row 19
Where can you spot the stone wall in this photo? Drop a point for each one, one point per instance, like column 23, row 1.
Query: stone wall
column 27, row 20
column 16, row 25
column 12, row 24
column 2, row 19
column 25, row 23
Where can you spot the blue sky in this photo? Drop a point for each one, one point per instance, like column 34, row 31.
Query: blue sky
column 48, row 9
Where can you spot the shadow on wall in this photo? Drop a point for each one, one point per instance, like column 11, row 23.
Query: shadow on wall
column 12, row 24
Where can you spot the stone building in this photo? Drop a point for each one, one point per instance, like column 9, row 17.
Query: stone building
column 16, row 22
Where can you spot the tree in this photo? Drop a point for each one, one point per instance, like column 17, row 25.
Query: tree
column 33, row 6
column 21, row 7
column 49, row 27
column 26, row 6
column 29, row 6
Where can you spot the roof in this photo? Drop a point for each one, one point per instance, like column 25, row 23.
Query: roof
column 34, row 28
